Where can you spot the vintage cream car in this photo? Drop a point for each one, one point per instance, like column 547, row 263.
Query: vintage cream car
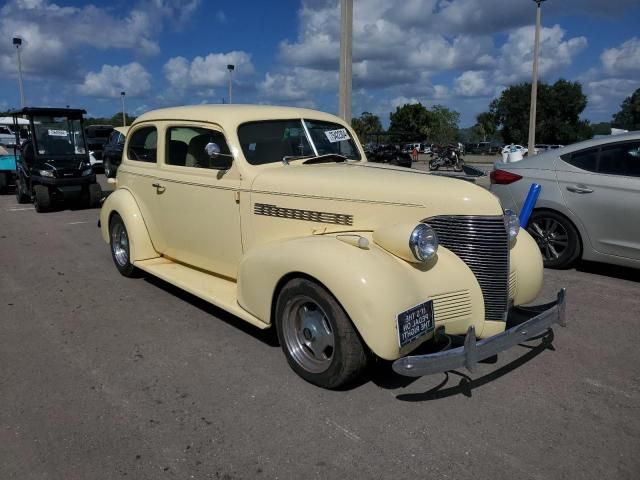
column 275, row 215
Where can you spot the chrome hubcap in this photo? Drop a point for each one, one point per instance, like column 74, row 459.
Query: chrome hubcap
column 120, row 244
column 551, row 236
column 308, row 335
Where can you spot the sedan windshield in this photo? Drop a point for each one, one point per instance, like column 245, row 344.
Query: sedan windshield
column 273, row 141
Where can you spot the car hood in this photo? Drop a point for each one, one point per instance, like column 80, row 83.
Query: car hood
column 61, row 164
column 356, row 186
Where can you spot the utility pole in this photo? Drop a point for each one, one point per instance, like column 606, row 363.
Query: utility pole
column 231, row 68
column 17, row 41
column 346, row 40
column 124, row 118
column 534, row 82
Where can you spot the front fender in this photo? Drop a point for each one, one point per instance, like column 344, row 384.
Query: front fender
column 124, row 204
column 372, row 285
column 527, row 266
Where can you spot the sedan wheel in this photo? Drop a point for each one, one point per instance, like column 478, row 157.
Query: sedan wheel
column 556, row 237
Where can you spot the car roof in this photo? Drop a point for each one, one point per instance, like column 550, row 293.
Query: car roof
column 232, row 115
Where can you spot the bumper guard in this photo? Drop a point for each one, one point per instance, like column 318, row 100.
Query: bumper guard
column 538, row 320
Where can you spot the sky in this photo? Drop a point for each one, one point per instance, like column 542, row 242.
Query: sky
column 456, row 53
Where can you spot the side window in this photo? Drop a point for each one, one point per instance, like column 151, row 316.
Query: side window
column 197, row 147
column 584, row 159
column 620, row 159
column 143, row 145
column 121, row 138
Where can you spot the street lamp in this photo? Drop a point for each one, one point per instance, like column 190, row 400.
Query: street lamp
column 346, row 40
column 17, row 41
column 534, row 82
column 231, row 68
column 124, row 119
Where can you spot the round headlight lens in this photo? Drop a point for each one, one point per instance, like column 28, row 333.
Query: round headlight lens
column 46, row 173
column 511, row 223
column 423, row 242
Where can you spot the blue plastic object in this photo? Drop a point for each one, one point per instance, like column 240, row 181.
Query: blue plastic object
column 529, row 203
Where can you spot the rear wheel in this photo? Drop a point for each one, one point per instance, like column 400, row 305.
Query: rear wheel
column 120, row 249
column 95, row 195
column 557, row 238
column 316, row 335
column 41, row 198
column 21, row 197
column 4, row 181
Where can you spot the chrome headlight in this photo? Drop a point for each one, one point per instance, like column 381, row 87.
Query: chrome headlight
column 86, row 172
column 46, row 173
column 511, row 223
column 423, row 242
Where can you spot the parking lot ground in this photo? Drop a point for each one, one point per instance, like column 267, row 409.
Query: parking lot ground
column 105, row 377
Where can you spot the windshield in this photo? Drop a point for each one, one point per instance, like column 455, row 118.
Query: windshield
column 58, row 136
column 270, row 141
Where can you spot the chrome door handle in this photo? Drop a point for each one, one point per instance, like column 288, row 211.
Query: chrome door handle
column 159, row 188
column 157, row 185
column 579, row 189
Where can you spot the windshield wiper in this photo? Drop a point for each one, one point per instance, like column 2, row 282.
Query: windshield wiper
column 326, row 158
column 287, row 158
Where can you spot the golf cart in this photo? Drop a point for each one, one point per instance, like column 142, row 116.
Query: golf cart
column 54, row 161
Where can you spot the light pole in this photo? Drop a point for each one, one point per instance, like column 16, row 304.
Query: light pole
column 17, row 41
column 534, row 83
column 231, row 68
column 124, row 118
column 346, row 39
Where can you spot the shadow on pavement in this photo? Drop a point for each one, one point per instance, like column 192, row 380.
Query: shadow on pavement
column 616, row 271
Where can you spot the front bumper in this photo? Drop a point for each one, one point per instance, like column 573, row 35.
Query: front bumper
column 537, row 321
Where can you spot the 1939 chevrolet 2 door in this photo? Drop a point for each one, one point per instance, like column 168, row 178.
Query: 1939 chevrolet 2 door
column 275, row 215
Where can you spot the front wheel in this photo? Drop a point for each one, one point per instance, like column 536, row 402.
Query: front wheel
column 317, row 337
column 457, row 167
column 41, row 198
column 557, row 238
column 120, row 249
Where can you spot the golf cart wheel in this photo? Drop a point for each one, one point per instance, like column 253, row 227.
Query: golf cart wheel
column 458, row 166
column 557, row 238
column 20, row 195
column 41, row 198
column 433, row 165
column 95, row 195
column 120, row 248
column 4, row 181
column 318, row 339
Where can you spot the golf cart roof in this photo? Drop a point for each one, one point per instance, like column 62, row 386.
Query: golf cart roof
column 53, row 112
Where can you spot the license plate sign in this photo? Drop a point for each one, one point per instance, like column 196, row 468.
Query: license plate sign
column 415, row 322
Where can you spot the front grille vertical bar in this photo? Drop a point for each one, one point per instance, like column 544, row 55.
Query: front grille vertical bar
column 482, row 243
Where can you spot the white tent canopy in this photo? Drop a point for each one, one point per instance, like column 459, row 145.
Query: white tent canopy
column 9, row 121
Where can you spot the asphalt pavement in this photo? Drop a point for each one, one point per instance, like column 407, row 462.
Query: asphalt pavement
column 105, row 377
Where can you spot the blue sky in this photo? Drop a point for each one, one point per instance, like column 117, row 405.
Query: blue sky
column 457, row 53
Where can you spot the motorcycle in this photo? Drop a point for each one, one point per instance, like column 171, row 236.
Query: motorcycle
column 449, row 156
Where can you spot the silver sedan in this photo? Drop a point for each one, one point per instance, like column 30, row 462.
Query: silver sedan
column 589, row 205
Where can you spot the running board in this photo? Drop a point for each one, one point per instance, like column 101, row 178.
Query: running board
column 215, row 290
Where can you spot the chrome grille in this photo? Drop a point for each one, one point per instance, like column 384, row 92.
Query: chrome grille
column 482, row 243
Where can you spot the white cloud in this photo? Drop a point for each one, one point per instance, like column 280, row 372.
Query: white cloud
column 207, row 72
column 473, row 83
column 624, row 60
column 112, row 79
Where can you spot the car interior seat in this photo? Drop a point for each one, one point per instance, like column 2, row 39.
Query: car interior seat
column 177, row 153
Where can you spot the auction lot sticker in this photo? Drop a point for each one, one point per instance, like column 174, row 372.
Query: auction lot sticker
column 415, row 322
column 337, row 135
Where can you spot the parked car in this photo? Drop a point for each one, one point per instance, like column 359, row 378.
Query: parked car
column 53, row 165
column 97, row 136
column 7, row 137
column 390, row 154
column 481, row 148
column 588, row 205
column 275, row 215
column 112, row 153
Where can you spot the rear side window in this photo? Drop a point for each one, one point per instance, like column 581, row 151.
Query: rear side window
column 620, row 159
column 143, row 145
column 193, row 147
column 585, row 159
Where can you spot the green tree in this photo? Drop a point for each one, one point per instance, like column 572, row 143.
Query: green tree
column 444, row 125
column 602, row 128
column 629, row 115
column 485, row 127
column 366, row 126
column 558, row 113
column 410, row 122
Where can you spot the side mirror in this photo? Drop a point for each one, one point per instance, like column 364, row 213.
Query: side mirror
column 217, row 160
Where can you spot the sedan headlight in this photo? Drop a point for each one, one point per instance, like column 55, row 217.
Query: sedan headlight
column 86, row 172
column 511, row 223
column 423, row 242
column 46, row 173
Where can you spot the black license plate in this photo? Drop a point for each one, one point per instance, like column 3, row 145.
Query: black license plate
column 415, row 322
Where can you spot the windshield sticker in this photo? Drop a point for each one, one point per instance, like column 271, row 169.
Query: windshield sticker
column 57, row 133
column 337, row 135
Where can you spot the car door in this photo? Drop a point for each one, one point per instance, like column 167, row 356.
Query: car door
column 198, row 199
column 601, row 185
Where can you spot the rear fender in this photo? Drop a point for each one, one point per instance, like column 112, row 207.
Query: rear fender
column 124, row 204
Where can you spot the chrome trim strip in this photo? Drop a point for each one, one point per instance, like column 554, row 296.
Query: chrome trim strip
column 305, row 215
